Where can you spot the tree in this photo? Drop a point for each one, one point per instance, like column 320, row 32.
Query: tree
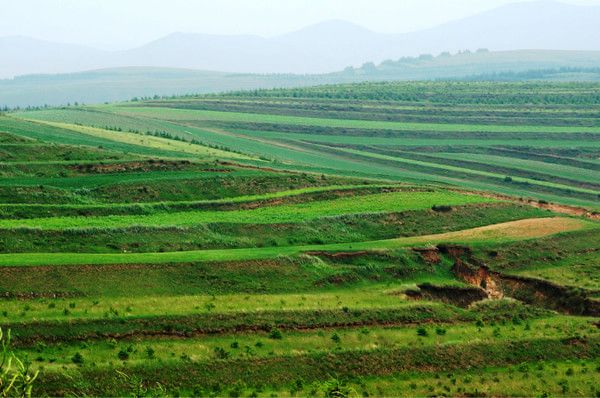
column 369, row 67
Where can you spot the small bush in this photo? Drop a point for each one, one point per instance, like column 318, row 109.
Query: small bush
column 150, row 353
column 422, row 332
column 570, row 372
column 220, row 353
column 77, row 358
column 123, row 355
column 275, row 334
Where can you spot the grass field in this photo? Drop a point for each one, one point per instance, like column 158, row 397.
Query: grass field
column 419, row 239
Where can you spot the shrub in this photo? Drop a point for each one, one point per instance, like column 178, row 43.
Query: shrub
column 150, row 353
column 275, row 334
column 570, row 372
column 422, row 332
column 441, row 208
column 123, row 355
column 220, row 353
column 77, row 358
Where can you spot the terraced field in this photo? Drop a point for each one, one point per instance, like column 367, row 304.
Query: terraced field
column 367, row 240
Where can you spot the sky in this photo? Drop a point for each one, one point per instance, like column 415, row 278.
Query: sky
column 121, row 24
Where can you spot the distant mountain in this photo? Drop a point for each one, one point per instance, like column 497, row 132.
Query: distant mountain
column 125, row 83
column 324, row 47
column 542, row 25
column 24, row 55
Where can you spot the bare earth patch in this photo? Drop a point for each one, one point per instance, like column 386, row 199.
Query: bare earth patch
column 521, row 229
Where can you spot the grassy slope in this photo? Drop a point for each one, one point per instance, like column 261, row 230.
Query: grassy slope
column 516, row 230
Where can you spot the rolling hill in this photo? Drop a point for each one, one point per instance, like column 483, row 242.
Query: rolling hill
column 118, row 84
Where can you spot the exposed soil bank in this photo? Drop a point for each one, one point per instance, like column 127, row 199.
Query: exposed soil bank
column 456, row 295
column 529, row 290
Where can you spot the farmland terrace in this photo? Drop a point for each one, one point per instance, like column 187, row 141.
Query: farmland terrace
column 430, row 238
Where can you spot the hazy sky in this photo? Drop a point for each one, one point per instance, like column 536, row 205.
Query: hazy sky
column 125, row 23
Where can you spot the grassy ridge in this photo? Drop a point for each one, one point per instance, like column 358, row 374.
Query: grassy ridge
column 516, row 230
column 278, row 371
column 395, row 201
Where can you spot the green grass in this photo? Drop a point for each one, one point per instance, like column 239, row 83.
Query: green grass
column 261, row 135
column 476, row 172
column 244, row 345
column 496, row 234
column 182, row 114
column 158, row 143
column 143, row 306
column 335, row 226
column 346, row 228
column 555, row 378
column 389, row 202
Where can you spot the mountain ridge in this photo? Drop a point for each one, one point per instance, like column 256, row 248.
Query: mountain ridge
column 323, row 47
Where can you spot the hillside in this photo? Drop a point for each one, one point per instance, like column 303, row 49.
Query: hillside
column 433, row 237
column 125, row 83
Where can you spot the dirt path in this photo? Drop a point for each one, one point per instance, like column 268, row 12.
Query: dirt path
column 557, row 208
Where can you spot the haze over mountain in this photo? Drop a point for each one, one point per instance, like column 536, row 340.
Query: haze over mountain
column 324, row 47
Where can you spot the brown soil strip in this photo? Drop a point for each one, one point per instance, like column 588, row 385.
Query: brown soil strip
column 555, row 207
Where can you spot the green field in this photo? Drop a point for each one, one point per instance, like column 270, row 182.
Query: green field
column 397, row 239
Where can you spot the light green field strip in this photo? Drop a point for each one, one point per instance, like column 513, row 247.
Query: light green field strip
column 305, row 341
column 464, row 170
column 559, row 170
column 236, row 199
column 456, row 109
column 403, row 141
column 375, row 203
column 497, row 233
column 74, row 162
column 186, row 114
column 364, row 297
column 147, row 141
